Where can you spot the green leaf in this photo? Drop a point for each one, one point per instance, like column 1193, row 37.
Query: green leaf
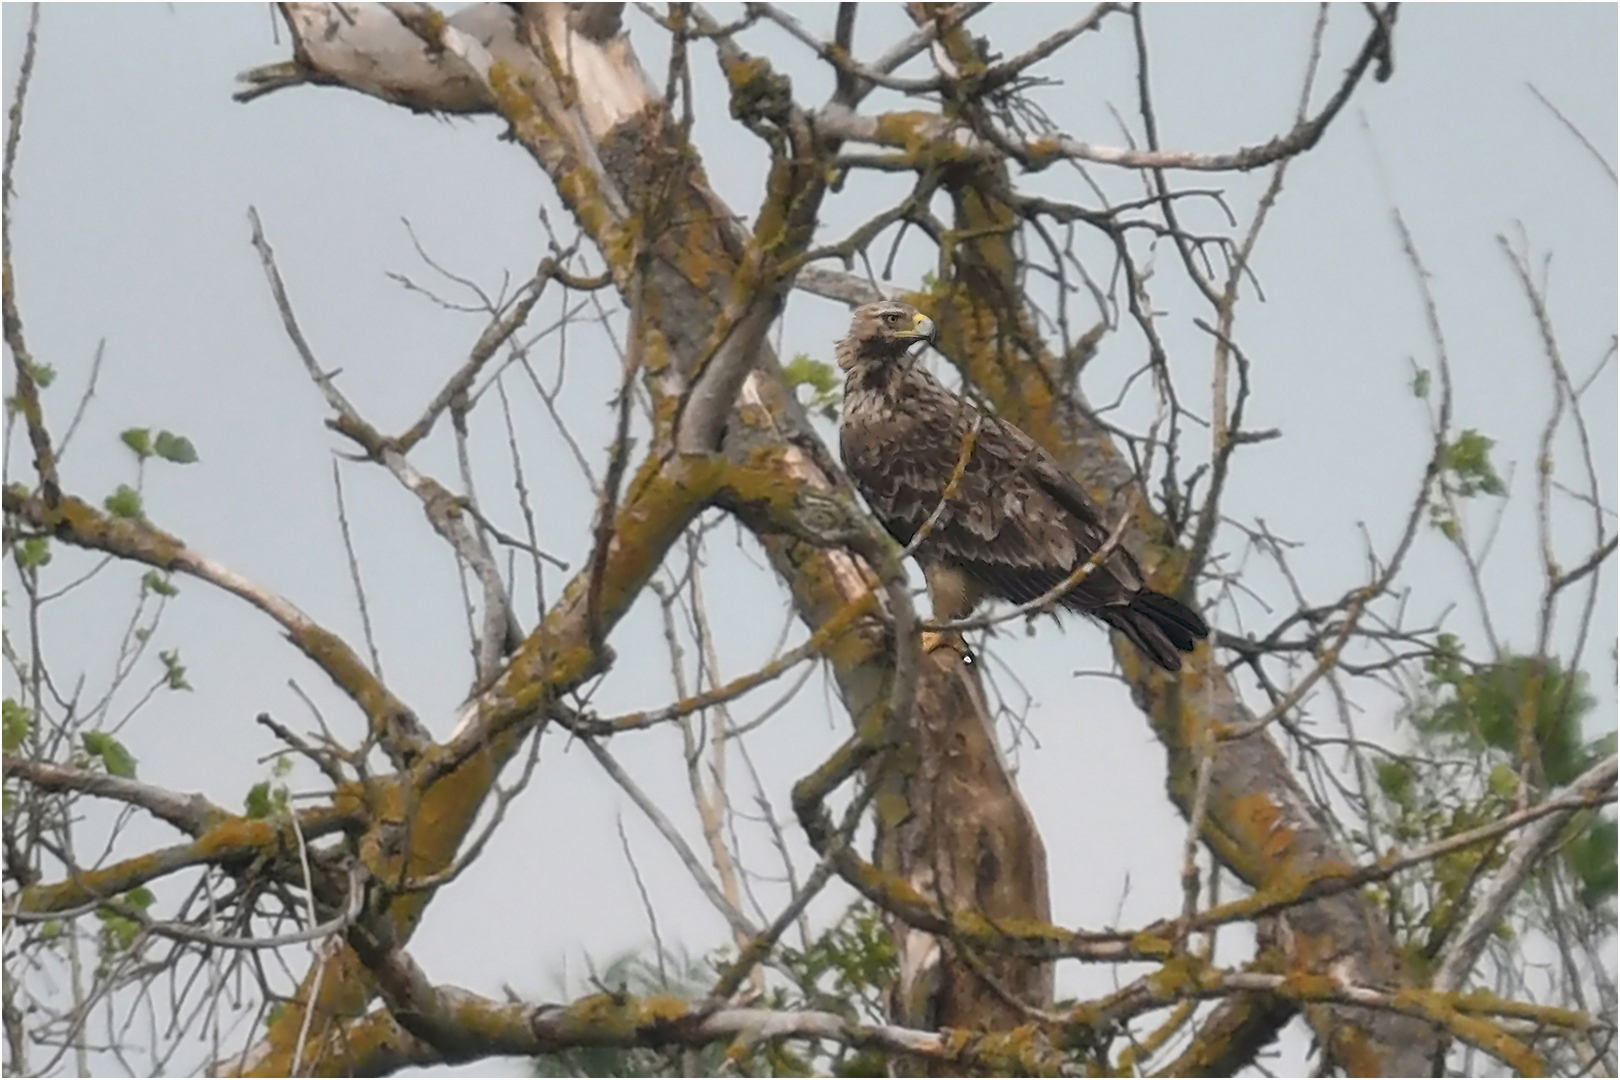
column 257, row 803
column 124, row 503
column 1396, row 780
column 174, row 670
column 803, row 370
column 117, row 760
column 1506, row 708
column 43, row 374
column 1467, row 462
column 139, row 440
column 34, row 551
column 1504, row 781
column 1592, row 857
column 154, row 581
column 264, row 799
column 1420, row 383
column 175, row 448
column 16, row 721
column 118, row 932
column 822, row 378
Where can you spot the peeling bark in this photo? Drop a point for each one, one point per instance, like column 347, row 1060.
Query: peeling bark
column 952, row 823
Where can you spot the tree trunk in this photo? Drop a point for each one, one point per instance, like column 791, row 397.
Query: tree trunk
column 1258, row 821
column 577, row 99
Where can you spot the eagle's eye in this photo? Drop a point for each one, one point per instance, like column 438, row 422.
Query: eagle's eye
column 891, row 316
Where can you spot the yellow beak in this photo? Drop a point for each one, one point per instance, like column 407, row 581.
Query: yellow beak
column 924, row 328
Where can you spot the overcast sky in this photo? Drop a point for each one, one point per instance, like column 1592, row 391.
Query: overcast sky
column 135, row 175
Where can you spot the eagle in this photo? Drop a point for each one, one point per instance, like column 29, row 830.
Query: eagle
column 1017, row 525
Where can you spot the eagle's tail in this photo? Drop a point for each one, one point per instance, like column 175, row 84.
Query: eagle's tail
column 1160, row 627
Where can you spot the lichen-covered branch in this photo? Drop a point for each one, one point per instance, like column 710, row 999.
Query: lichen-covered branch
column 437, row 800
column 27, row 397
column 1471, row 1017
column 924, row 137
column 448, row 1025
column 232, row 841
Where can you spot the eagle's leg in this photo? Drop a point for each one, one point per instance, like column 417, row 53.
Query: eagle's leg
column 952, row 595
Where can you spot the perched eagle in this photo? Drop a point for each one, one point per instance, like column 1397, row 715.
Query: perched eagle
column 1017, row 526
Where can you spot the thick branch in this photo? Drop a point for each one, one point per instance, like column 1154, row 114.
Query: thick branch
column 235, row 840
column 466, row 1027
column 191, row 814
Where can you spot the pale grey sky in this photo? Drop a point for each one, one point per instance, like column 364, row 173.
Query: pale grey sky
column 135, row 174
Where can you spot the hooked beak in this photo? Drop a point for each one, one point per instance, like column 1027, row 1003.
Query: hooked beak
column 924, row 329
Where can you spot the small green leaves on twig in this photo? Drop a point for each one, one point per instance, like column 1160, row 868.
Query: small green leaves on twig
column 822, row 379
column 1467, row 465
column 139, row 440
column 158, row 583
column 264, row 799
column 118, row 930
column 42, row 374
column 269, row 797
column 175, row 671
column 16, row 721
column 167, row 445
column 32, row 552
column 125, row 503
column 112, row 754
column 1465, row 472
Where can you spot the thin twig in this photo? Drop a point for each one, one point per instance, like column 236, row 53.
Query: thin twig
column 1050, row 596
column 354, row 573
column 738, row 921
column 1573, row 130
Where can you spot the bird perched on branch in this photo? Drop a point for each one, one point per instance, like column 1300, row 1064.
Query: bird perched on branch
column 1016, row 526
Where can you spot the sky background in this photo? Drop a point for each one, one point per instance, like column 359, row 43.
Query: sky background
column 135, row 175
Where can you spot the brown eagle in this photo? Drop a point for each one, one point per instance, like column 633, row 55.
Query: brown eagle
column 1017, row 526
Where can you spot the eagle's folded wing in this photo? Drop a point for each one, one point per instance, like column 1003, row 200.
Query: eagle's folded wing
column 1017, row 523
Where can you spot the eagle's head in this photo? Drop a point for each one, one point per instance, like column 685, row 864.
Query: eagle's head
column 882, row 333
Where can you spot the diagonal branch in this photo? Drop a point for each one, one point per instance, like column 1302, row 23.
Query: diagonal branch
column 234, row 840
column 75, row 522
column 27, row 396
column 443, row 508
column 1469, row 940
column 191, row 814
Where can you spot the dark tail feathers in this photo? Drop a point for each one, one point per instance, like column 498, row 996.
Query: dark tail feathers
column 1160, row 627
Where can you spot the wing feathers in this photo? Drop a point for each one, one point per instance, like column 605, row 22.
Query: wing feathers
column 1018, row 524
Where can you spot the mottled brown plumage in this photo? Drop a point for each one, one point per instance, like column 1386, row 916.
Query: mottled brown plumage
column 1018, row 524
